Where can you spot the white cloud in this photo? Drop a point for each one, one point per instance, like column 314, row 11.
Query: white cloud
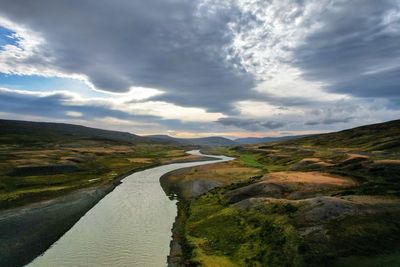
column 31, row 55
column 141, row 93
column 256, row 109
column 391, row 20
column 14, row 59
column 112, row 121
column 128, row 103
column 178, row 72
column 74, row 114
column 264, row 40
column 172, row 111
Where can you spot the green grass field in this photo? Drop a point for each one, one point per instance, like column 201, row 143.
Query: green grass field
column 217, row 233
column 40, row 161
column 223, row 236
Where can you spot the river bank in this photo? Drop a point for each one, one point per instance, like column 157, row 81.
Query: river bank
column 181, row 191
column 29, row 230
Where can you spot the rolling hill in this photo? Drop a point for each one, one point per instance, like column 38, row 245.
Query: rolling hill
column 203, row 141
column 27, row 131
column 325, row 200
column 380, row 136
column 33, row 132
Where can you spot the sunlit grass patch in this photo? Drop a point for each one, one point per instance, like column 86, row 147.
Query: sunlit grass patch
column 219, row 232
column 250, row 160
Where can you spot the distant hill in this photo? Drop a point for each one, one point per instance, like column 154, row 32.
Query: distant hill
column 27, row 131
column 380, row 136
column 12, row 131
column 203, row 141
column 259, row 140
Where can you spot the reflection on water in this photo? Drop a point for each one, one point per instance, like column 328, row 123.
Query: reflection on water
column 131, row 226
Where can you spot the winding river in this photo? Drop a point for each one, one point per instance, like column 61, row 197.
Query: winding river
column 131, row 226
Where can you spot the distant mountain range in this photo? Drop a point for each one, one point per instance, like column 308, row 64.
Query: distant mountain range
column 28, row 131
column 202, row 141
column 222, row 141
column 40, row 131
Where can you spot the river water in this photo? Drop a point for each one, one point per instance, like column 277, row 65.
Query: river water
column 131, row 226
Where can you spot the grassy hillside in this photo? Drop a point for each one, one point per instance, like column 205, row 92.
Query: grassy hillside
column 43, row 160
column 324, row 200
column 36, row 132
column 382, row 136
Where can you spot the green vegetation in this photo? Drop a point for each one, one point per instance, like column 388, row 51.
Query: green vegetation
column 344, row 210
column 43, row 160
column 250, row 160
column 375, row 137
column 224, row 236
column 324, row 200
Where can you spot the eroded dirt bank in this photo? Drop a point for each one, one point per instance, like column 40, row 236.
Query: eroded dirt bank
column 28, row 231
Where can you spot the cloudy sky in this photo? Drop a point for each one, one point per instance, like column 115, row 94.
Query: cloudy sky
column 201, row 67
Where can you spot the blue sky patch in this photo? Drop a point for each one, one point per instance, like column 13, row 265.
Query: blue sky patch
column 37, row 83
column 7, row 38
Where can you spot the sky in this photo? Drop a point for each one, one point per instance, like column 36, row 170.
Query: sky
column 192, row 68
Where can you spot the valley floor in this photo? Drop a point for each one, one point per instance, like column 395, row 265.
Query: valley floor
column 289, row 205
column 45, row 187
column 325, row 200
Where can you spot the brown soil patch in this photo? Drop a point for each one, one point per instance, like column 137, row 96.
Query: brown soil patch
column 106, row 150
column 355, row 158
column 388, row 161
column 225, row 173
column 311, row 160
column 290, row 185
column 28, row 162
column 37, row 152
column 314, row 179
column 139, row 160
column 314, row 161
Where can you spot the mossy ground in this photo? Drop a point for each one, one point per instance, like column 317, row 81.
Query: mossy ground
column 30, row 173
column 221, row 235
column 218, row 234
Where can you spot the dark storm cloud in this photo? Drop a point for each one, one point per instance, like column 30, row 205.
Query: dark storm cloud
column 250, row 124
column 159, row 44
column 356, row 50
